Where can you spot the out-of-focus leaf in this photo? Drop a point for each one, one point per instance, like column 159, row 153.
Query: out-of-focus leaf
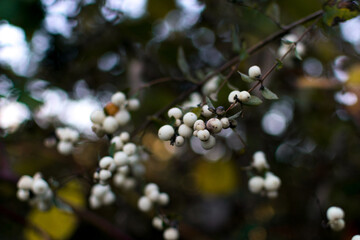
column 253, row 101
column 209, row 103
column 273, row 11
column 31, row 102
column 112, row 149
column 268, row 94
column 236, row 44
column 336, row 11
column 207, row 175
column 246, row 78
column 286, row 41
column 197, row 111
column 58, row 223
column 183, row 65
column 236, row 115
column 297, row 55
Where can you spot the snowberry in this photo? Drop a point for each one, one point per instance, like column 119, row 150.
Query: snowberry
column 133, row 104
column 203, row 135
column 153, row 196
column 177, row 123
column 144, row 204
column 123, row 169
column 225, row 123
column 166, row 132
column 122, row 117
column 65, row 147
column 256, row 184
column 254, row 72
column 356, row 237
column 105, row 162
column 205, row 111
column 25, row 182
column 39, row 186
column 97, row 116
column 211, row 86
column 118, row 99
column 335, row 213
column 189, row 119
column 129, row 149
column 171, row 234
column 210, row 143
column 337, row 225
column 214, row 125
column 119, row 179
column 157, row 223
column 272, row 194
column 134, row 158
column 272, row 182
column 163, row 199
column 109, row 198
column 259, row 161
column 179, row 141
column 175, row 112
column 23, row 194
column 110, row 124
column 94, row 202
column 244, row 96
column 233, row 96
column 125, row 136
column 99, row 190
column 120, row 158
column 118, row 143
column 104, row 174
column 185, row 131
column 199, row 125
column 151, row 187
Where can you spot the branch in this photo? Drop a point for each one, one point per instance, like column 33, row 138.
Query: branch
column 229, row 64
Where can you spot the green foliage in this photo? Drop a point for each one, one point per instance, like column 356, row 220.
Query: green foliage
column 253, row 101
column 268, row 94
column 337, row 11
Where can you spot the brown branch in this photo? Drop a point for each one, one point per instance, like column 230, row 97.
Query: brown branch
column 227, row 65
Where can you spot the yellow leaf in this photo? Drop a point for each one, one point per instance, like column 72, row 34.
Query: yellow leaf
column 58, row 223
column 215, row 177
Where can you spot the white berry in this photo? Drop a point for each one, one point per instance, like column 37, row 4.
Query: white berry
column 185, row 131
column 118, row 143
column 118, row 99
column 189, row 119
column 259, row 161
column 256, row 184
column 254, row 72
column 125, row 137
column 120, row 158
column 166, row 132
column 94, row 202
column 151, row 187
column 356, row 237
column 39, row 186
column 129, row 148
column 225, row 123
column 175, row 112
column 199, row 125
column 122, row 117
column 23, row 194
column 206, row 112
column 157, row 223
column 104, row 174
column 179, row 141
column 25, row 182
column 214, row 125
column 163, row 199
column 210, row 143
column 144, row 204
column 97, row 116
column 203, row 135
column 110, row 124
column 133, row 104
column 105, row 162
column 335, row 213
column 233, row 96
column 337, row 225
column 65, row 147
column 244, row 96
column 171, row 234
column 109, row 198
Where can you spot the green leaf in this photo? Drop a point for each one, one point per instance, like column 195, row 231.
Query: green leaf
column 183, row 65
column 209, row 103
column 31, row 102
column 236, row 115
column 236, row 44
column 268, row 94
column 287, row 42
column 230, row 86
column 172, row 121
column 253, row 101
column 246, row 78
column 112, row 150
column 336, row 11
column 197, row 111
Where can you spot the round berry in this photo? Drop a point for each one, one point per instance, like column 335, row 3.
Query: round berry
column 179, row 141
column 163, row 199
column 171, row 234
column 151, row 187
column 185, row 131
column 356, row 237
column 256, row 184
column 234, row 96
column 133, row 104
column 118, row 143
column 94, row 202
column 105, row 162
column 225, row 123
column 157, row 223
column 120, row 158
column 144, row 204
column 104, row 174
column 272, row 182
column 110, row 124
column 335, row 213
column 99, row 190
column 109, row 198
column 199, row 125
column 166, row 132
column 337, row 225
column 65, row 147
column 205, row 111
column 122, row 117
column 210, row 143
column 214, row 125
column 119, row 179
column 129, row 149
column 39, row 186
column 254, row 72
column 118, row 99
column 189, row 119
column 125, row 136
column 25, row 182
column 244, row 96
column 259, row 161
column 23, row 194
column 203, row 135
column 175, row 112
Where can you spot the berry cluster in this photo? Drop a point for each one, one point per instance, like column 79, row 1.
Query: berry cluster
column 152, row 195
column 67, row 138
column 170, row 233
column 35, row 190
column 268, row 185
column 101, row 195
column 115, row 114
column 336, row 216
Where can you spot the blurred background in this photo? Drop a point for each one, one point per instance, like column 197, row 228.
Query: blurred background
column 62, row 59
